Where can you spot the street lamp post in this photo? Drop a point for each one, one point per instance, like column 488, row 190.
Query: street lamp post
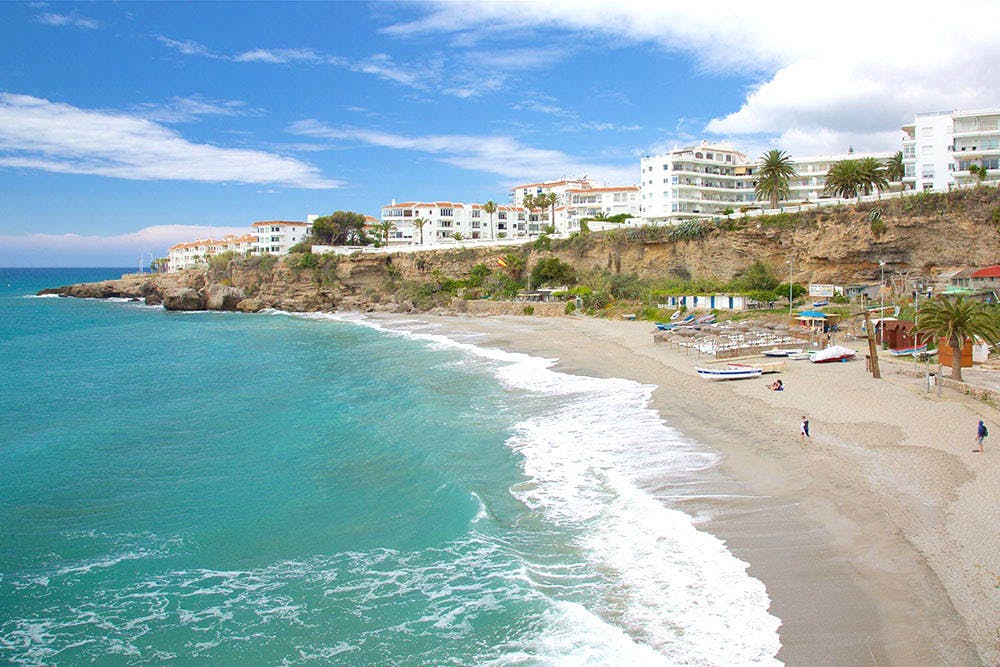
column 881, row 302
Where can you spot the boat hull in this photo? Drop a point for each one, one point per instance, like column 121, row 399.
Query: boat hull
column 729, row 373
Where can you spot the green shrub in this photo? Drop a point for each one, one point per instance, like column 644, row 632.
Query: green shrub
column 304, row 261
column 543, row 242
column 570, row 307
column 529, row 310
column 552, row 271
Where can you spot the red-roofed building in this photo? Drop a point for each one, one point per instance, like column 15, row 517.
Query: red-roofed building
column 986, row 278
column 442, row 220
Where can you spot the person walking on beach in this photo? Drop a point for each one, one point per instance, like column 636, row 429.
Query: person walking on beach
column 981, row 434
column 804, row 429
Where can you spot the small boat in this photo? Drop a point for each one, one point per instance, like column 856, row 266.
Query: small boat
column 800, row 356
column 732, row 372
column 831, row 354
column 687, row 320
column 926, row 353
column 781, row 353
column 820, row 304
column 663, row 326
column 908, row 351
column 707, row 319
column 676, row 314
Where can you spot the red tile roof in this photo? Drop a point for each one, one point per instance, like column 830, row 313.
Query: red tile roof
column 988, row 272
column 278, row 223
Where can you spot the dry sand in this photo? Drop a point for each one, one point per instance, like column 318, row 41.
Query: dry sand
column 878, row 539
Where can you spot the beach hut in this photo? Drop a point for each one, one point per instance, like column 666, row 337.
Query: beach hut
column 812, row 320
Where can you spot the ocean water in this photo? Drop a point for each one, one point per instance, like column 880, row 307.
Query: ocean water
column 208, row 488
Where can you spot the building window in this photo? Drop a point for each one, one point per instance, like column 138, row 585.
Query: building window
column 927, row 131
column 927, row 150
column 927, row 171
column 475, row 212
column 447, row 212
column 502, row 215
column 928, row 187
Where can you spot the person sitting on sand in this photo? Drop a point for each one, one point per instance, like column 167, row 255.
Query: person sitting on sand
column 804, row 430
column 776, row 385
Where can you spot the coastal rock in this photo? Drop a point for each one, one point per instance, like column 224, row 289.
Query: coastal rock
column 251, row 305
column 154, row 299
column 183, row 298
column 223, row 297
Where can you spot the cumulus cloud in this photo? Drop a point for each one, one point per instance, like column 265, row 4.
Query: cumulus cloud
column 96, row 250
column 492, row 154
column 51, row 18
column 38, row 134
column 854, row 73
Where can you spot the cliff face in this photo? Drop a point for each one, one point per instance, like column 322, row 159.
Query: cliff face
column 922, row 234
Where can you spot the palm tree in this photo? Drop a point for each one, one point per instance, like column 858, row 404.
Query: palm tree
column 490, row 207
column 775, row 169
column 419, row 224
column 957, row 320
column 385, row 228
column 548, row 200
column 872, row 175
column 528, row 203
column 894, row 168
column 979, row 172
column 844, row 179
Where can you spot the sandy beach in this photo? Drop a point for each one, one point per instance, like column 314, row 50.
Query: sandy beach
column 877, row 539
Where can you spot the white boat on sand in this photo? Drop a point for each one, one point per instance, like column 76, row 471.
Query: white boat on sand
column 781, row 353
column 729, row 373
column 831, row 354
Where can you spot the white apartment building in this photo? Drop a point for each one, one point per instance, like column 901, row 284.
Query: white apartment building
column 939, row 147
column 709, row 180
column 444, row 219
column 561, row 188
column 590, row 202
column 275, row 237
column 700, row 181
column 197, row 253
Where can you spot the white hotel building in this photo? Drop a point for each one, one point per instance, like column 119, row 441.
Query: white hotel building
column 709, row 180
column 939, row 147
column 444, row 219
column 197, row 253
column 275, row 237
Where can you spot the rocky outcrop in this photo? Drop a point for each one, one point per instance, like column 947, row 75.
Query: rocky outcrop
column 223, row 297
column 182, row 298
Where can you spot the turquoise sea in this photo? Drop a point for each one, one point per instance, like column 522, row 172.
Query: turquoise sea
column 209, row 488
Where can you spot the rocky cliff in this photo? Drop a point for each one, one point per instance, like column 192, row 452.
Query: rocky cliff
column 920, row 234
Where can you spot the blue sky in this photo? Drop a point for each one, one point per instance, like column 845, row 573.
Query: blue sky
column 129, row 126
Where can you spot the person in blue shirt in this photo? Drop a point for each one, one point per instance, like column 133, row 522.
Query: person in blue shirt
column 981, row 434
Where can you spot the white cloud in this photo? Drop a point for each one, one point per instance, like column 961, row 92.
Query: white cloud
column 187, row 109
column 39, row 134
column 51, row 18
column 855, row 72
column 95, row 250
column 187, row 47
column 494, row 154
column 277, row 56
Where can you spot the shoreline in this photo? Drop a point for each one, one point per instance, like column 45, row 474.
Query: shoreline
column 876, row 540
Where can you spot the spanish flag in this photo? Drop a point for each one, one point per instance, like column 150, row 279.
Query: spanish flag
column 501, row 262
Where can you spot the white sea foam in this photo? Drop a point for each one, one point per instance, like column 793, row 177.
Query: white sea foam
column 673, row 593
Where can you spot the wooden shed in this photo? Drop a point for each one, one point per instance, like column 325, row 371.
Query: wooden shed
column 944, row 353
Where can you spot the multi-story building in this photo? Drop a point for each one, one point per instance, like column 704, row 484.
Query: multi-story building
column 810, row 184
column 197, row 253
column 706, row 180
column 275, row 237
column 709, row 180
column 561, row 188
column 592, row 202
column 939, row 147
column 445, row 219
